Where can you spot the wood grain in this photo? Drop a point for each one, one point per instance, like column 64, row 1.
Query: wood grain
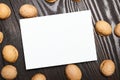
column 107, row 47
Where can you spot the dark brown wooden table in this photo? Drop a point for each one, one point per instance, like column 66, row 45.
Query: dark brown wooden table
column 107, row 47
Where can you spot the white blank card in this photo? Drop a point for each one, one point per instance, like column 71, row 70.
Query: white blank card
column 58, row 39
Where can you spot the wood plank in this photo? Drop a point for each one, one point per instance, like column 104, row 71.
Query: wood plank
column 107, row 47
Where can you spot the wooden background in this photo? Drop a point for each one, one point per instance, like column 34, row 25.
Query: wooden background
column 107, row 47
